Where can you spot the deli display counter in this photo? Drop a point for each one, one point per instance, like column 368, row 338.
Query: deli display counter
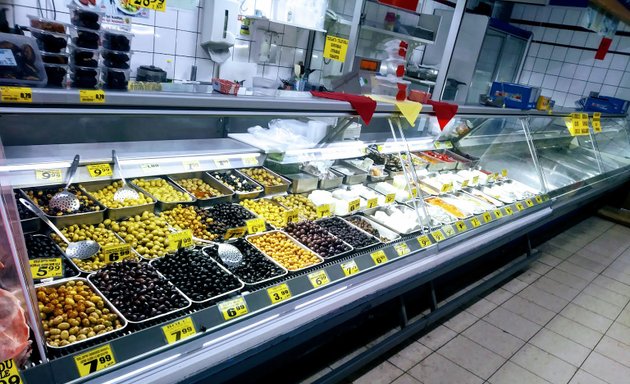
column 250, row 225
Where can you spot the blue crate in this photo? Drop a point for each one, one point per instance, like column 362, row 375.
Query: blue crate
column 516, row 95
column 597, row 103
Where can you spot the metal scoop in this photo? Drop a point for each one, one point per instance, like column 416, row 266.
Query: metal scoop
column 65, row 200
column 125, row 192
column 230, row 255
column 76, row 250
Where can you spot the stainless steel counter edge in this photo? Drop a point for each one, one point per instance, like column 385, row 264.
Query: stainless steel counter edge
column 187, row 360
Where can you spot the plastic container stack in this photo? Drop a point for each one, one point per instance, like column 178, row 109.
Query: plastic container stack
column 52, row 40
column 390, row 83
column 85, row 47
column 116, row 55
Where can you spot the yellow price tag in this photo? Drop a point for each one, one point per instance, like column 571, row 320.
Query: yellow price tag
column 182, row 239
column 379, row 257
column 158, row 5
column 475, row 180
column 438, row 235
column 233, row 308
column 250, row 161
column 597, row 122
column 46, row 268
column 390, row 198
column 255, row 225
column 9, row 373
column 191, row 165
column 487, row 217
column 53, row 175
column 504, row 172
column 372, row 203
column 235, row 233
column 179, row 330
column 424, row 241
column 99, row 170
column 354, row 205
column 520, row 206
column 279, row 293
column 498, row 213
column 318, row 278
column 461, row 226
column 509, row 210
column 91, row 96
column 323, row 211
column 150, row 168
column 414, row 192
column 402, row 249
column 349, row 268
column 475, row 222
column 539, row 199
column 529, row 203
column 290, row 216
column 95, row 360
column 545, row 197
column 16, row 95
column 446, row 188
column 117, row 252
column 222, row 163
column 449, row 230
column 335, row 48
column 464, row 183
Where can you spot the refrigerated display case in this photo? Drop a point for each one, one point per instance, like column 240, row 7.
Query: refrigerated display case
column 363, row 213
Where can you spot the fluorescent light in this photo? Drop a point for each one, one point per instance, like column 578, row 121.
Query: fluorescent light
column 143, row 369
column 321, row 297
column 240, row 330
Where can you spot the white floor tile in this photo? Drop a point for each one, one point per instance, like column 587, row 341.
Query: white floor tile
column 606, row 369
column 614, row 349
column 585, row 317
column 481, row 308
column 512, row 323
column 567, row 279
column 406, row 379
column 461, row 321
column 613, row 285
column 499, row 296
column 576, row 270
column 493, row 338
column 529, row 310
column 556, row 288
column 607, row 295
column 472, row 356
column 620, row 332
column 544, row 364
column 583, row 377
column 511, row 373
column 597, row 305
column 410, row 356
column 543, row 298
column 624, row 317
column 438, row 369
column 383, row 373
column 437, row 337
column 560, row 346
column 574, row 331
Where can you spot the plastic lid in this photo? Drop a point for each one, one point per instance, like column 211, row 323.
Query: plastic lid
column 55, row 34
column 73, row 68
column 86, row 30
column 75, row 48
column 39, row 23
column 56, row 65
column 44, row 53
column 105, row 51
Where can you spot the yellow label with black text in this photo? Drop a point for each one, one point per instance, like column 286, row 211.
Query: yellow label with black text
column 438, row 235
column 509, row 210
column 94, row 360
column 233, row 308
column 539, row 199
column 290, row 216
column 390, row 198
column 349, row 268
column 157, row 5
column 179, row 330
column 504, row 172
column 46, row 268
column 99, row 170
column 487, row 217
column 379, row 257
column 402, row 249
column 116, row 252
column 424, row 241
column 372, row 203
column 255, row 225
column 475, row 222
column 91, row 96
column 336, row 48
column 235, row 233
column 498, row 213
column 318, row 278
column 597, row 122
column 9, row 373
column 16, row 95
column 323, row 210
column 449, row 230
column 520, row 206
column 250, row 161
column 52, row 175
column 461, row 226
column 354, row 205
column 182, row 239
column 279, row 293
column 529, row 203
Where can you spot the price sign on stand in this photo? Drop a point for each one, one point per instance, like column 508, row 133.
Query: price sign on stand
column 323, row 211
column 250, row 161
column 222, row 163
column 509, row 211
column 179, row 330
column 487, row 217
column 99, row 170
column 354, row 205
column 16, row 95
column 402, row 249
column 158, row 5
column 498, row 213
column 465, row 183
column 475, row 180
column 379, row 257
column 52, row 175
column 279, row 293
column 461, row 226
column 438, row 235
column 9, row 373
column 182, row 239
column 539, row 199
column 597, row 122
column 255, row 225
column 290, row 216
column 91, row 96
column 350, row 268
column 504, row 172
column 191, row 165
column 318, row 278
column 117, row 252
column 520, row 206
column 94, row 360
column 372, row 203
column 529, row 203
column 475, row 222
column 448, row 230
column 233, row 308
column 235, row 233
column 46, row 268
column 424, row 241
column 390, row 198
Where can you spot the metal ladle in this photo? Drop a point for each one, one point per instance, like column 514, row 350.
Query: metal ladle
column 229, row 254
column 75, row 250
column 66, row 201
column 125, row 192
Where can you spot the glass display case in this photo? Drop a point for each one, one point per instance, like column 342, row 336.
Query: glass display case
column 256, row 216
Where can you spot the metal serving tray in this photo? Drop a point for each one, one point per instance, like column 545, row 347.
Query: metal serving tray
column 269, row 189
column 475, row 192
column 321, row 260
column 270, row 224
column 440, row 197
column 226, row 193
column 302, row 218
column 302, row 182
column 358, row 175
column 241, row 195
column 95, row 217
column 138, row 257
column 377, row 241
column 64, row 261
column 381, row 229
column 30, row 225
column 370, row 215
column 373, row 187
column 163, row 205
column 439, row 166
column 269, row 259
column 117, row 213
column 465, row 196
column 210, row 260
column 110, row 306
column 351, row 248
column 154, row 317
column 328, row 183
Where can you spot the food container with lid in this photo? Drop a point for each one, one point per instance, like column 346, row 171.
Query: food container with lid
column 51, row 42
column 115, row 78
column 117, row 40
column 84, row 77
column 85, row 18
column 85, row 38
column 84, row 57
column 56, row 74
column 20, row 61
column 55, row 57
column 116, row 59
column 48, row 25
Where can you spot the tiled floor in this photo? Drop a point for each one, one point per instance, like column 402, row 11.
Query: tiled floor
column 564, row 320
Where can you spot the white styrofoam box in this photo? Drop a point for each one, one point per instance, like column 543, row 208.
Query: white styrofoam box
column 564, row 37
column 557, row 15
column 623, row 93
column 205, row 68
column 592, row 87
column 536, row 79
column 554, row 67
column 183, row 67
column 619, row 62
column 572, row 17
column 579, row 38
column 550, row 35
column 608, row 90
column 568, row 69
column 187, row 20
column 559, row 97
column 143, row 38
column 563, row 84
column 162, row 61
column 613, row 77
column 164, row 41
column 559, row 53
column 138, row 59
column 545, row 51
column 597, row 75
column 167, row 19
column 582, row 72
column 186, row 43
column 577, row 87
column 540, row 65
column 573, row 56
column 549, row 81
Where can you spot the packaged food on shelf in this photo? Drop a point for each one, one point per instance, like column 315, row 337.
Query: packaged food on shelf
column 304, row 206
column 117, row 40
column 318, row 239
column 22, row 62
column 138, row 291
column 51, row 42
column 398, row 217
column 84, row 77
column 285, row 250
column 147, row 233
column 193, row 218
column 85, row 18
column 84, row 57
column 114, row 78
column 85, row 38
column 347, row 232
column 272, row 182
column 43, row 247
column 384, row 234
column 255, row 268
column 243, row 187
column 272, row 212
column 55, row 58
column 72, row 311
column 116, row 59
column 103, row 236
column 166, row 194
column 45, row 24
column 198, row 276
column 56, row 74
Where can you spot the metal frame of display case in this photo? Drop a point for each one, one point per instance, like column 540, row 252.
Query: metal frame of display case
column 226, row 344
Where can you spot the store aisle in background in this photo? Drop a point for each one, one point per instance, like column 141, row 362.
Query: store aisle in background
column 566, row 319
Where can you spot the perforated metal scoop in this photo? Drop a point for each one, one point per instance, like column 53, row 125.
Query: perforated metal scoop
column 76, row 250
column 230, row 255
column 65, row 200
column 125, row 192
